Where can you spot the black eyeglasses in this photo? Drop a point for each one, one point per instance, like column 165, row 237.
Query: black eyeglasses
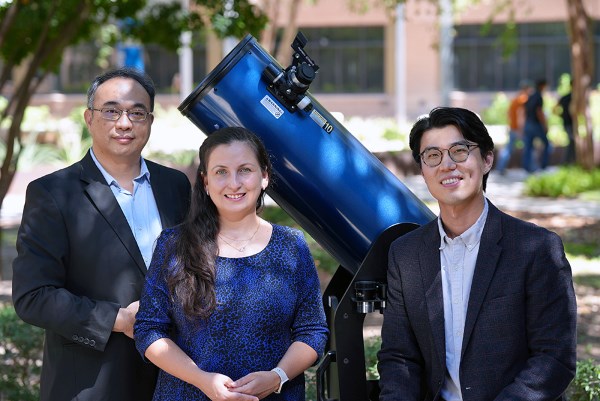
column 432, row 157
column 113, row 114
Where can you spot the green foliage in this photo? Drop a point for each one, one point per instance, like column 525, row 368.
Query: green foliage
column 21, row 353
column 393, row 134
column 239, row 20
column 497, row 113
column 506, row 35
column 171, row 19
column 564, row 85
column 372, row 347
column 68, row 22
column 568, row 181
column 35, row 19
column 586, row 385
column 69, row 141
column 587, row 251
column 310, row 384
column 587, row 280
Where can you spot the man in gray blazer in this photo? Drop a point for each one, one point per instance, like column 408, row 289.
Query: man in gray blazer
column 480, row 304
column 85, row 242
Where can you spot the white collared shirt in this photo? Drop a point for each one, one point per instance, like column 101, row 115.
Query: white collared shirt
column 458, row 257
column 139, row 208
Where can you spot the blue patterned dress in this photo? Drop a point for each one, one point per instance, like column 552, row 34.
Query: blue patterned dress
column 265, row 302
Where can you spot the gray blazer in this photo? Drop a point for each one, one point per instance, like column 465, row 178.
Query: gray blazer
column 77, row 264
column 519, row 338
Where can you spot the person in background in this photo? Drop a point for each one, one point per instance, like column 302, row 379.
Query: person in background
column 232, row 308
column 536, row 126
column 480, row 305
column 85, row 243
column 563, row 108
column 516, row 122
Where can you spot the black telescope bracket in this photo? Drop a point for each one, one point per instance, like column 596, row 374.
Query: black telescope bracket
column 289, row 85
column 349, row 297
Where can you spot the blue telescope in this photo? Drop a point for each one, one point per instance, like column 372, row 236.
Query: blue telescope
column 327, row 181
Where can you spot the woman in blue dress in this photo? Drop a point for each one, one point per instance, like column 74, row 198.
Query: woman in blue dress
column 231, row 308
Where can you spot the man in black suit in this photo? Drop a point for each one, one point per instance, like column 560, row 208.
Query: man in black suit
column 480, row 304
column 85, row 242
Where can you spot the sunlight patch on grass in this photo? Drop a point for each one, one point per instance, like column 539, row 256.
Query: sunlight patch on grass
column 584, row 266
column 590, row 196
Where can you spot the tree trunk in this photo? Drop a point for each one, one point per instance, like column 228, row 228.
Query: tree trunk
column 8, row 20
column 582, row 65
column 268, row 38
column 284, row 53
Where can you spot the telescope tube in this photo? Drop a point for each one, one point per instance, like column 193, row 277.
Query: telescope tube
column 324, row 178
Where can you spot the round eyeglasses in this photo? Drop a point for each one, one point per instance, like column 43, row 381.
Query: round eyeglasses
column 432, row 157
column 113, row 114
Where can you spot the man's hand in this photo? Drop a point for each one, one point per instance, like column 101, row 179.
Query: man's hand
column 126, row 318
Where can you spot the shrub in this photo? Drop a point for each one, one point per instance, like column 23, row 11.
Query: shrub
column 496, row 114
column 567, row 181
column 21, row 357
column 586, row 385
column 372, row 346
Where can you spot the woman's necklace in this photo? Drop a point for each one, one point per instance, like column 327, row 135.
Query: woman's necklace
column 247, row 241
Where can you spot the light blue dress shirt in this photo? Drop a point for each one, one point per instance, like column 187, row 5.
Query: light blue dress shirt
column 139, row 208
column 458, row 257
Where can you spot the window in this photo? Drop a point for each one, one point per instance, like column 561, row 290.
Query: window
column 350, row 60
column 542, row 52
column 79, row 66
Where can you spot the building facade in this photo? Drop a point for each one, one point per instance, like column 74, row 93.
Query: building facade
column 373, row 62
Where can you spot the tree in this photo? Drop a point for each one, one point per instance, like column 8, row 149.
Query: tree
column 34, row 35
column 268, row 38
column 582, row 65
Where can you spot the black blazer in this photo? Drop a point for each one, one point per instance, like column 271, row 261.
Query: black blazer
column 519, row 337
column 77, row 264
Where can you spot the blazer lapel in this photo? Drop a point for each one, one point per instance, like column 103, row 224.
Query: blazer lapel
column 165, row 201
column 431, row 271
column 487, row 261
column 104, row 200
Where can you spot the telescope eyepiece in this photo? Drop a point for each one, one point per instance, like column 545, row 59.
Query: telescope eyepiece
column 305, row 74
column 290, row 85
